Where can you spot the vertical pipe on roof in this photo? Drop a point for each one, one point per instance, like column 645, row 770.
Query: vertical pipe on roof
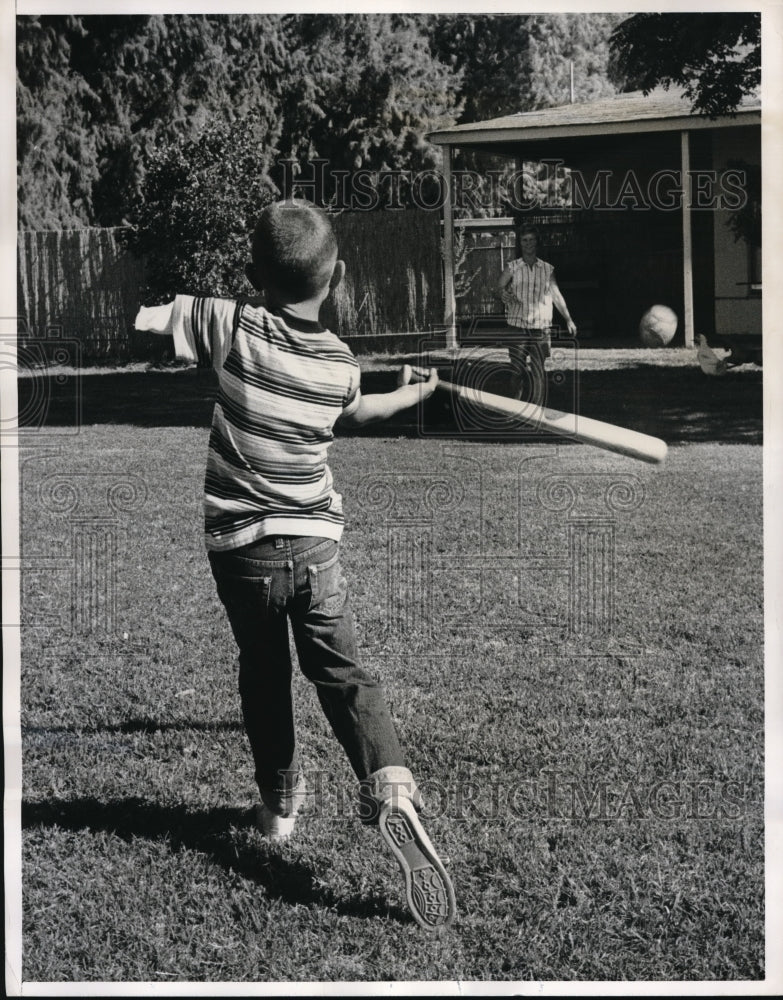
column 450, row 308
column 687, row 241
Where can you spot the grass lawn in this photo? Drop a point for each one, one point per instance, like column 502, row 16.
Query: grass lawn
column 575, row 663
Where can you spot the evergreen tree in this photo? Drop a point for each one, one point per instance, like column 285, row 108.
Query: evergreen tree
column 561, row 42
column 367, row 91
column 515, row 63
column 357, row 91
column 491, row 53
column 97, row 94
column 56, row 148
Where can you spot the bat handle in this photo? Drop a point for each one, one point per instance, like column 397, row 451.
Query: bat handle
column 446, row 386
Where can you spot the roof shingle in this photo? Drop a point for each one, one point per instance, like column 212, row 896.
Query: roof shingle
column 624, row 108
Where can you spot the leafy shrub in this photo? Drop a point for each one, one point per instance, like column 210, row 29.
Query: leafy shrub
column 197, row 208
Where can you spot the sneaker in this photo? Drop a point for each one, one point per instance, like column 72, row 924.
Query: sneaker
column 272, row 826
column 388, row 783
column 428, row 888
column 280, row 826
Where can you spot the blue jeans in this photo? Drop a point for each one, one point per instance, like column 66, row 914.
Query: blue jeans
column 528, row 363
column 262, row 586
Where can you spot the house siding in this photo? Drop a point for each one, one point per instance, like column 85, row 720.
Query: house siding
column 737, row 305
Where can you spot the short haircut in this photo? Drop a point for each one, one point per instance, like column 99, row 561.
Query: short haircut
column 528, row 227
column 295, row 248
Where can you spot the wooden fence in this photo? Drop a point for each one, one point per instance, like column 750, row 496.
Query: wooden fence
column 78, row 285
column 82, row 285
column 394, row 274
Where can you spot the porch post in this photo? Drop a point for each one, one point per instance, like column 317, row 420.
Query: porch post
column 687, row 242
column 450, row 306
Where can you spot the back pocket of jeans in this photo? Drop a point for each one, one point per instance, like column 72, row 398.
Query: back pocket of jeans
column 245, row 598
column 328, row 587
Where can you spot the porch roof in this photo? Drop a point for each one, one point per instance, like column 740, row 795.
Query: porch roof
column 661, row 110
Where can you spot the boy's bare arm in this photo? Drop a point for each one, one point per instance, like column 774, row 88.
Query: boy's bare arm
column 382, row 405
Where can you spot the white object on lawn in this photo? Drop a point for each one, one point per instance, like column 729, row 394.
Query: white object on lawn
column 709, row 362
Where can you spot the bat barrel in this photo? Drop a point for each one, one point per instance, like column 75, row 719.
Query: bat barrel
column 583, row 429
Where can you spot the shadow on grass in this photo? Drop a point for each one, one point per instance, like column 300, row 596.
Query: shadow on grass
column 211, row 832
column 146, row 726
column 678, row 404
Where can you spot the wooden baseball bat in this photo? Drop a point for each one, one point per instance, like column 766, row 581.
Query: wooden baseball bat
column 572, row 425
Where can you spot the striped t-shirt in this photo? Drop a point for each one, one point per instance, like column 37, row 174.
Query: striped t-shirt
column 283, row 382
column 531, row 286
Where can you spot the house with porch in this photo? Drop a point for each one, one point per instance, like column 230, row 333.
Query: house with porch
column 641, row 205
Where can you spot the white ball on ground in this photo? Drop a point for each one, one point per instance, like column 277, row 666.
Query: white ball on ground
column 658, row 326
